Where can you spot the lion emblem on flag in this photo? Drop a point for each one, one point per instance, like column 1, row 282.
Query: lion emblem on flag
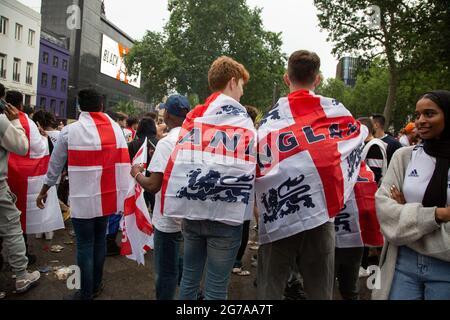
column 232, row 110
column 286, row 199
column 214, row 187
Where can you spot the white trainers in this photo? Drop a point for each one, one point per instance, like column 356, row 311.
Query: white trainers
column 23, row 284
column 363, row 272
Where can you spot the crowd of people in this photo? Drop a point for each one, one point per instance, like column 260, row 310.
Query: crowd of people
column 331, row 195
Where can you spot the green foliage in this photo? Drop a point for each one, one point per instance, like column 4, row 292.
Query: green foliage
column 127, row 107
column 198, row 32
column 371, row 89
column 401, row 38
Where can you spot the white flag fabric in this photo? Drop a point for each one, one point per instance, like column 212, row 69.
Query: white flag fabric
column 137, row 229
column 309, row 155
column 26, row 177
column 99, row 166
column 210, row 175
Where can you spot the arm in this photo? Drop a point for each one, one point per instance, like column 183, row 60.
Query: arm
column 151, row 184
column 402, row 224
column 57, row 162
column 12, row 134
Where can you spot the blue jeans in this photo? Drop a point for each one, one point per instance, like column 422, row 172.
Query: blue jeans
column 215, row 244
column 91, row 251
column 419, row 277
column 167, row 263
column 114, row 224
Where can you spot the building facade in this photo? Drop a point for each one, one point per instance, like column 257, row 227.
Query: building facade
column 96, row 48
column 53, row 74
column 20, row 28
column 346, row 70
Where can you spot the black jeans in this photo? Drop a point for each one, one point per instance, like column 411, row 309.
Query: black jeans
column 244, row 241
column 347, row 263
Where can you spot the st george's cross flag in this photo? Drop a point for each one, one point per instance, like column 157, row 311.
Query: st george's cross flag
column 357, row 224
column 98, row 166
column 25, row 178
column 210, row 174
column 309, row 154
column 137, row 229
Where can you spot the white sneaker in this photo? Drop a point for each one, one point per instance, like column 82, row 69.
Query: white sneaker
column 23, row 284
column 363, row 272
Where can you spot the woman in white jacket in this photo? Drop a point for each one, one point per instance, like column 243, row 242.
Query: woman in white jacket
column 412, row 207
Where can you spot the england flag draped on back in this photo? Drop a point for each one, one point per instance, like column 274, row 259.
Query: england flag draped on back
column 26, row 176
column 309, row 155
column 137, row 229
column 210, row 175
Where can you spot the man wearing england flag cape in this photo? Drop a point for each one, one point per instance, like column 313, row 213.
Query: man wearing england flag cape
column 26, row 177
column 167, row 236
column 98, row 165
column 309, row 154
column 209, row 181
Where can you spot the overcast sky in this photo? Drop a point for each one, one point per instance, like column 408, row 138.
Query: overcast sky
column 296, row 19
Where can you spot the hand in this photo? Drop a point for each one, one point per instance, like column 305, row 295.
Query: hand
column 136, row 169
column 397, row 195
column 43, row 132
column 41, row 199
column 11, row 112
column 442, row 215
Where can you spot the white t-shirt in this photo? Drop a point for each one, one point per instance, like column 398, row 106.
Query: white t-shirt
column 418, row 175
column 53, row 135
column 404, row 140
column 164, row 149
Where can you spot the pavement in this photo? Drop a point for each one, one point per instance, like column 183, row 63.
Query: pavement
column 123, row 278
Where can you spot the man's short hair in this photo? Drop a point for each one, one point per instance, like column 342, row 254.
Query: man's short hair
column 152, row 115
column 15, row 98
column 121, row 116
column 380, row 119
column 2, row 90
column 367, row 122
column 90, row 100
column 303, row 67
column 222, row 70
column 131, row 121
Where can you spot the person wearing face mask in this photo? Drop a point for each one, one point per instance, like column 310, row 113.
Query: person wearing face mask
column 412, row 207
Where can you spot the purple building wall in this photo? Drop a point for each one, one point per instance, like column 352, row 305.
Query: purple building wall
column 53, row 75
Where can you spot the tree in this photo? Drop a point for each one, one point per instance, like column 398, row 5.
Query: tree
column 156, row 63
column 127, row 107
column 198, row 32
column 390, row 29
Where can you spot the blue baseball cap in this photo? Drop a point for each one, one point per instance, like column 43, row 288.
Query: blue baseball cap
column 176, row 105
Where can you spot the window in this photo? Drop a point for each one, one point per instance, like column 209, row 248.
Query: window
column 63, row 85
column 31, row 35
column 29, row 74
column 53, row 105
column 27, row 100
column 43, row 103
column 3, row 25
column 16, row 70
column 44, row 80
column 45, row 57
column 64, row 64
column 18, row 32
column 55, row 61
column 54, row 82
column 61, row 108
column 2, row 65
